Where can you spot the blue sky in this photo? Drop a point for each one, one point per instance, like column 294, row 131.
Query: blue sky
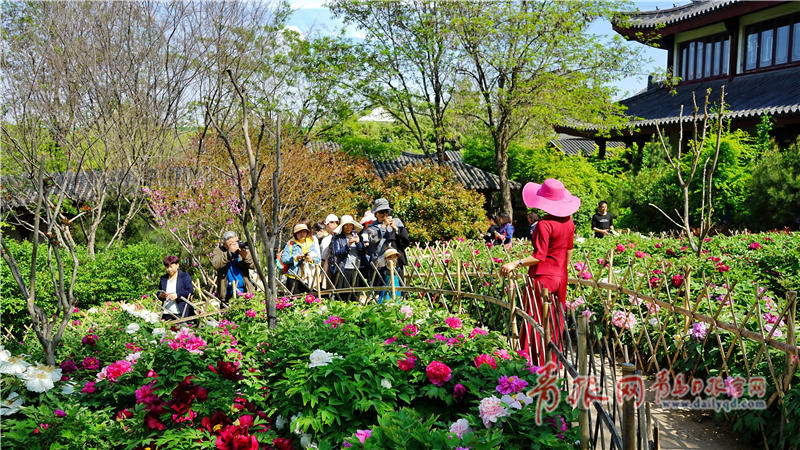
column 311, row 15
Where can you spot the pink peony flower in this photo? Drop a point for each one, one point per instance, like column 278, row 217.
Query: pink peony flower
column 438, row 372
column 477, row 331
column 89, row 387
column 699, row 331
column 623, row 320
column 659, row 244
column 620, row 248
column 408, row 363
column 677, row 280
column 755, row 246
column 250, row 313
column 90, row 363
column 459, row 427
column 410, row 330
column 114, row 370
column 59, row 413
column 389, row 341
column 363, row 435
column 485, row 359
column 502, row 353
column 491, row 409
column 453, row 322
column 406, row 311
column 572, row 306
column 335, row 321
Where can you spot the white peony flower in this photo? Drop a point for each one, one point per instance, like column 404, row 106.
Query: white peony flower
column 133, row 357
column 386, row 384
column 159, row 332
column 11, row 404
column 459, row 427
column 4, row 354
column 323, row 309
column 68, row 388
column 407, row 311
column 211, row 323
column 132, row 328
column 653, row 321
column 92, row 310
column 511, row 402
column 296, row 430
column 320, row 357
column 41, row 378
column 305, row 441
column 280, row 422
column 580, row 240
column 15, row 365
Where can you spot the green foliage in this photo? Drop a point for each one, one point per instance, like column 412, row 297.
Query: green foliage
column 122, row 272
column 433, row 204
column 774, row 189
column 372, row 139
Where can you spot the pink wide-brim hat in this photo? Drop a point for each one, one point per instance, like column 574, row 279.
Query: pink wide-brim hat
column 550, row 196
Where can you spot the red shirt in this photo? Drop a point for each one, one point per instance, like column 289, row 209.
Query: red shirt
column 552, row 239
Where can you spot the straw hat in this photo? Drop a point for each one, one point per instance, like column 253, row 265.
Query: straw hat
column 390, row 252
column 345, row 220
column 299, row 227
column 550, row 196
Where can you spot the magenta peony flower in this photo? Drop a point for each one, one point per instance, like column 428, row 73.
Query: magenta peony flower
column 620, row 248
column 485, row 359
column 699, row 331
column 408, row 363
column 453, row 322
column 335, row 321
column 510, row 385
column 459, row 390
column 250, row 313
column 90, row 363
column 755, row 246
column 89, row 387
column 68, row 366
column 89, row 339
column 476, row 331
column 677, row 280
column 389, row 341
column 363, row 435
column 61, row 413
column 502, row 353
column 410, row 330
column 438, row 373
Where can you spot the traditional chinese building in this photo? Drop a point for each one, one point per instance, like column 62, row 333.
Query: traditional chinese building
column 750, row 47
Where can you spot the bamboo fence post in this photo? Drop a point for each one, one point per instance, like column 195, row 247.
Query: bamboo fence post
column 391, row 275
column 318, row 278
column 546, row 323
column 628, row 415
column 583, row 370
column 791, row 297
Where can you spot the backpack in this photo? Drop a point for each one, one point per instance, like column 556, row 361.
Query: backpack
column 285, row 267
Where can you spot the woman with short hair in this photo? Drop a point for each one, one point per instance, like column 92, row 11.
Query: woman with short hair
column 347, row 255
column 175, row 288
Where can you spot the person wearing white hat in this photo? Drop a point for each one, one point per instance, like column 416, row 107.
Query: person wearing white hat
column 347, row 255
column 331, row 222
column 298, row 257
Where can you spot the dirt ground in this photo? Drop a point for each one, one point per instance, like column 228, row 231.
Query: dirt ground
column 685, row 429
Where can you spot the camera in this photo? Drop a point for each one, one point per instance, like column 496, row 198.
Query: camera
column 243, row 245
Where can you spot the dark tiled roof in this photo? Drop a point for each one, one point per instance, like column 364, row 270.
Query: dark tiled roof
column 574, row 145
column 320, row 146
column 649, row 19
column 80, row 187
column 470, row 176
column 776, row 93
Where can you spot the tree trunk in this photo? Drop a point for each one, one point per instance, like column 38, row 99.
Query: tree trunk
column 440, row 146
column 501, row 163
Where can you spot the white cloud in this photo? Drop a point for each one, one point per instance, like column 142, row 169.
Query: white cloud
column 307, row 4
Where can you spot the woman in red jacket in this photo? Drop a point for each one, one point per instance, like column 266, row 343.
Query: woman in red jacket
column 552, row 251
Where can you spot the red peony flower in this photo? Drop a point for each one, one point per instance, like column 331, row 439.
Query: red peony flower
column 124, row 414
column 407, row 364
column 227, row 370
column 677, row 280
column 485, row 359
column 215, row 422
column 438, row 373
column 282, row 444
column 185, row 393
column 237, row 436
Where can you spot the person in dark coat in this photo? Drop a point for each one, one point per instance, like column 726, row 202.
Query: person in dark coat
column 385, row 233
column 347, row 256
column 174, row 289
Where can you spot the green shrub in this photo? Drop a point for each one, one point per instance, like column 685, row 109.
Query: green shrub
column 774, row 190
column 433, row 204
column 122, row 272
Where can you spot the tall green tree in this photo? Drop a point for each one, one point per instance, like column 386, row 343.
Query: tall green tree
column 534, row 64
column 411, row 60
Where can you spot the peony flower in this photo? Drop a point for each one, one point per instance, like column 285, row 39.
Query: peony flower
column 572, row 306
column 335, row 321
column 386, row 384
column 699, row 331
column 227, row 370
column 677, row 280
column 11, row 404
column 476, row 331
column 280, row 422
column 502, row 353
column 510, row 385
column 491, row 409
column 459, row 427
column 410, row 330
column 89, row 339
column 158, row 332
column 132, row 328
column 13, row 365
column 90, row 363
column 251, row 313
column 363, row 435
column 624, row 320
column 89, row 387
column 408, row 363
column 485, row 359
column 320, row 357
column 41, row 378
column 459, row 390
column 755, row 246
column 620, row 248
column 453, row 322
column 407, row 311
column 68, row 388
column 59, row 413
column 438, row 373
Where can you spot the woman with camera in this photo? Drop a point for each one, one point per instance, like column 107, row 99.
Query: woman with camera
column 299, row 257
column 233, row 262
column 347, row 255
column 174, row 289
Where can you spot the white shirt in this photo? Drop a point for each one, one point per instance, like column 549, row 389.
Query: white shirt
column 324, row 246
column 170, row 305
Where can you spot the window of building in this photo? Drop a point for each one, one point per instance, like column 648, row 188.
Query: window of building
column 772, row 43
column 704, row 58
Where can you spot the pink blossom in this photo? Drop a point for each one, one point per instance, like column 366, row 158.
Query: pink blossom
column 699, row 331
column 407, row 311
column 335, row 321
column 363, row 435
column 485, row 359
column 476, row 331
column 410, row 330
column 623, row 320
column 677, row 280
column 587, row 313
column 572, row 306
column 459, row 390
column 114, row 370
column 453, row 322
column 89, row 387
column 510, row 385
column 389, row 341
column 251, row 313
column 502, row 353
column 459, row 427
column 491, row 409
column 408, row 363
column 620, row 248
